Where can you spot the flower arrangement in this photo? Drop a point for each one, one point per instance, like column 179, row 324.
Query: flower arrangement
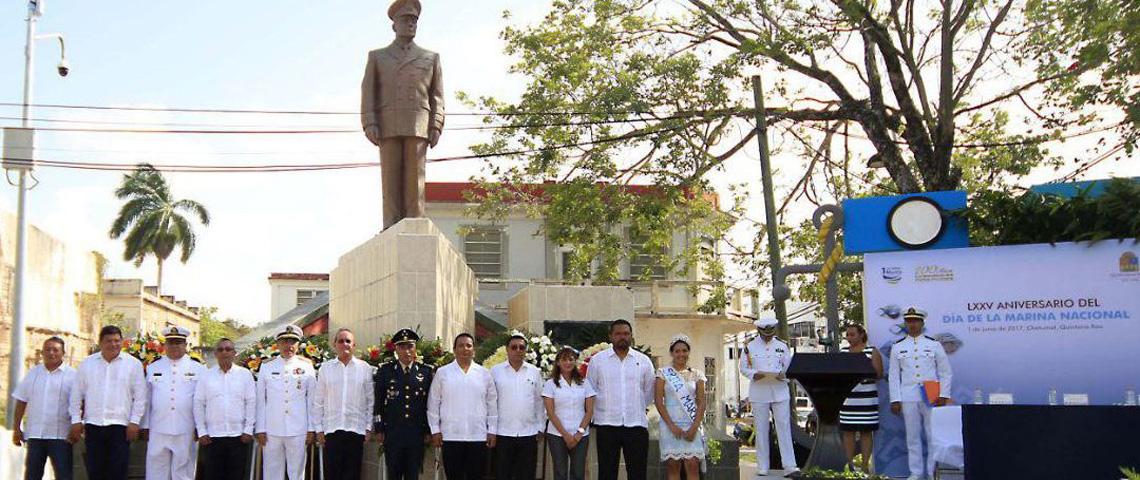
column 846, row 473
column 315, row 348
column 588, row 353
column 714, row 451
column 540, row 352
column 148, row 348
column 430, row 352
column 497, row 357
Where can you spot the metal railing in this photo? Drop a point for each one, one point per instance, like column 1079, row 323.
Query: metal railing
column 666, row 297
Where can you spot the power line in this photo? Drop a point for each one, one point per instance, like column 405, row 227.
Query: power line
column 187, row 168
column 656, row 116
column 230, row 128
column 1091, row 163
column 357, row 112
column 310, row 131
column 995, row 144
column 309, row 153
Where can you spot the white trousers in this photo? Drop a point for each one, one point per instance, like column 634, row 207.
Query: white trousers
column 284, row 455
column 916, row 416
column 783, row 420
column 171, row 457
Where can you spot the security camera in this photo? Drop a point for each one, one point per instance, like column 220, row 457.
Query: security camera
column 63, row 68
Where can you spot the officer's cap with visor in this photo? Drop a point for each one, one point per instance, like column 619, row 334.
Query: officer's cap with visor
column 175, row 332
column 290, row 332
column 405, row 335
column 914, row 313
column 404, row 7
column 766, row 325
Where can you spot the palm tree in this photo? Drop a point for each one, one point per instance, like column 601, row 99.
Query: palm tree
column 152, row 218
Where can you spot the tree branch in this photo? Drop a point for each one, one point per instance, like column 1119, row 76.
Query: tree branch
column 964, row 85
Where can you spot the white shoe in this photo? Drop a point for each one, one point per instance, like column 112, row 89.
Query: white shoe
column 915, row 477
column 793, row 471
column 761, row 473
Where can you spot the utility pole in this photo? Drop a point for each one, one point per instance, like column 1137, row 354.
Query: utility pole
column 19, row 155
column 771, row 223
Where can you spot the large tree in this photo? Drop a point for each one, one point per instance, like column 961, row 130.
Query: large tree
column 622, row 91
column 153, row 220
column 1099, row 38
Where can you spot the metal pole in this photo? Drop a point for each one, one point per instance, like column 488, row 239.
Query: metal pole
column 831, row 287
column 772, row 226
column 738, row 350
column 18, row 341
column 831, row 294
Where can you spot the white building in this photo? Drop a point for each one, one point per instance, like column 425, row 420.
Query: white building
column 61, row 295
column 141, row 309
column 522, row 284
column 290, row 290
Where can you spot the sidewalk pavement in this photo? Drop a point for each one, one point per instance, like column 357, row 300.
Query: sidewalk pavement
column 748, row 469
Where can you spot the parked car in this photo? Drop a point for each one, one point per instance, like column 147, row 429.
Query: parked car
column 805, row 414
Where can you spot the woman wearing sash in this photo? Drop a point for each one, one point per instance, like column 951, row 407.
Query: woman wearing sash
column 859, row 414
column 680, row 397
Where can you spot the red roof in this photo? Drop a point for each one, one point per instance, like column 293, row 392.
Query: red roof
column 299, row 276
column 452, row 192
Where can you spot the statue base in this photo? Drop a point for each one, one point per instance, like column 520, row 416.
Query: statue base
column 408, row 276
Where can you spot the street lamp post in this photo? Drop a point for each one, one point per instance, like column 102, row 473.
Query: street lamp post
column 23, row 167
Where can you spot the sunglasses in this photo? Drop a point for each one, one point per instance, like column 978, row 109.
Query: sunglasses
column 224, row 349
column 518, row 347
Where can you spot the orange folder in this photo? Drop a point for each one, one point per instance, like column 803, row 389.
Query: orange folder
column 933, row 390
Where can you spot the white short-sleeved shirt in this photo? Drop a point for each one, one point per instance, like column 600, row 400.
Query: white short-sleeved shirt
column 46, row 392
column 569, row 403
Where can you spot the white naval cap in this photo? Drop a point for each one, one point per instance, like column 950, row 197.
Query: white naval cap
column 290, row 331
column 175, row 332
column 765, row 322
column 914, row 313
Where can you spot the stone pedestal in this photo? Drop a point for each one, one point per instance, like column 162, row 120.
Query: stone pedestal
column 534, row 305
column 409, row 276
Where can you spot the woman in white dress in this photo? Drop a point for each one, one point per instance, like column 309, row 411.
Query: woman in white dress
column 679, row 394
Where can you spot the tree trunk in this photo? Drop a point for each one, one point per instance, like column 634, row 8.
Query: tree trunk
column 158, row 284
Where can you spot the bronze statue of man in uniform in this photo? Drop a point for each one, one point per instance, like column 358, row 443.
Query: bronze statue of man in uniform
column 401, row 110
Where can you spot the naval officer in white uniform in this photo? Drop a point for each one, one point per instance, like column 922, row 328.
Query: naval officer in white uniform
column 168, row 425
column 915, row 360
column 765, row 361
column 286, row 387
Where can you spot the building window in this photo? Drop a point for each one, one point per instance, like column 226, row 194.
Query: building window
column 566, row 256
column 801, row 329
column 483, row 249
column 642, row 262
column 306, row 295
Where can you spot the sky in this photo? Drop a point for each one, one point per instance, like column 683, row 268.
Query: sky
column 270, row 55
